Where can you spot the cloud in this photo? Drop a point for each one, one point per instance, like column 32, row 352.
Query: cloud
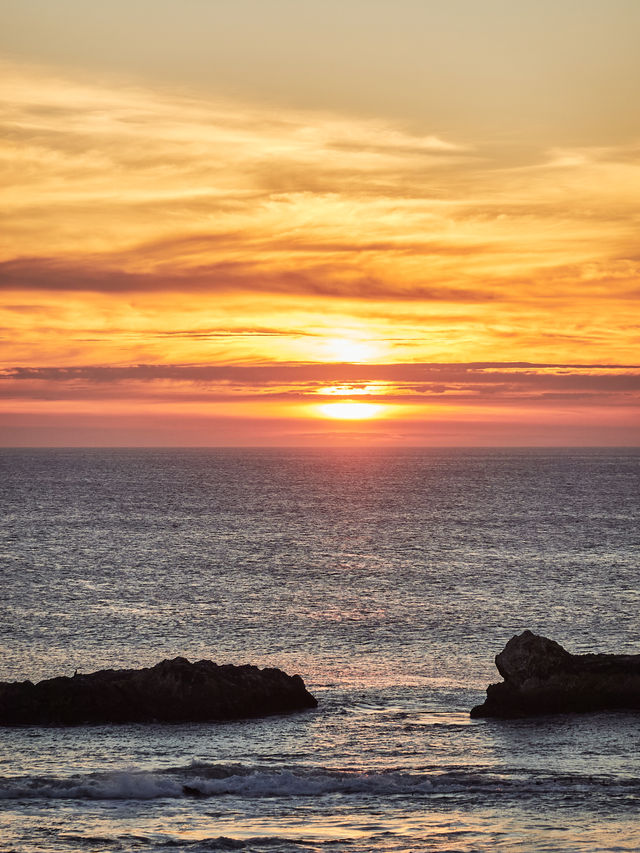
column 468, row 383
column 123, row 190
column 131, row 214
column 331, row 280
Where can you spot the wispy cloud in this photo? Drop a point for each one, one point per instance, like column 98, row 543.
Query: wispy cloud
column 124, row 190
column 412, row 384
column 328, row 279
column 167, row 249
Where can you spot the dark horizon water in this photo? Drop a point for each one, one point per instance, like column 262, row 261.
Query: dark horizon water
column 388, row 579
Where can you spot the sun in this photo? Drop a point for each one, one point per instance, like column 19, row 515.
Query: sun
column 350, row 411
column 354, row 350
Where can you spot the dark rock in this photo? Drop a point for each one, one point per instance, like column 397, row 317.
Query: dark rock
column 172, row 691
column 190, row 791
column 540, row 677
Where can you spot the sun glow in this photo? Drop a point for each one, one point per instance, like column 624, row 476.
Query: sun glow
column 350, row 411
column 352, row 390
column 351, row 350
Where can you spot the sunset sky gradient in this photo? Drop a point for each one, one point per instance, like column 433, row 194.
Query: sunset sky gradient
column 267, row 222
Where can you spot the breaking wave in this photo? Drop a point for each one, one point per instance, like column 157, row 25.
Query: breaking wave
column 213, row 780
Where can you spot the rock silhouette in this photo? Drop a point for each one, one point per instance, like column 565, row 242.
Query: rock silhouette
column 540, row 677
column 171, row 691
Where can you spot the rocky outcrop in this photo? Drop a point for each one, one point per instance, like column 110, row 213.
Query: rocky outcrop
column 540, row 677
column 172, row 691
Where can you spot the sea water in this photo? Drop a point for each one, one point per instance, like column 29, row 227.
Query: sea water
column 388, row 579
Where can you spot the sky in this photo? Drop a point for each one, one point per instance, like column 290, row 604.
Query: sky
column 279, row 223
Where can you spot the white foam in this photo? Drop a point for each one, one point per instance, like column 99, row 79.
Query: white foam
column 224, row 780
column 133, row 785
column 287, row 783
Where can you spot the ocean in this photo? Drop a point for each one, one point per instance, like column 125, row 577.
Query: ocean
column 388, row 579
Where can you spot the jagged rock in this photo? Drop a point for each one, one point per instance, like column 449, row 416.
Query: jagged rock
column 540, row 677
column 171, row 691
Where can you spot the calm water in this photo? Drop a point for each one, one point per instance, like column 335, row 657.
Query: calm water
column 387, row 579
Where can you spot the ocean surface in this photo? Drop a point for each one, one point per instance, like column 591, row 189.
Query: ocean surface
column 387, row 579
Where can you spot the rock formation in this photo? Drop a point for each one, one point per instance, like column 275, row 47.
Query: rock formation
column 172, row 691
column 540, row 677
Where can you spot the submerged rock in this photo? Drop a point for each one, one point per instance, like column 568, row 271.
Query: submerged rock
column 540, row 677
column 171, row 691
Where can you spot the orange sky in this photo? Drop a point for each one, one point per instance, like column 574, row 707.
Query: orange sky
column 194, row 261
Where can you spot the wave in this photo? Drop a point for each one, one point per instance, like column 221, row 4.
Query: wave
column 201, row 780
column 212, row 844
